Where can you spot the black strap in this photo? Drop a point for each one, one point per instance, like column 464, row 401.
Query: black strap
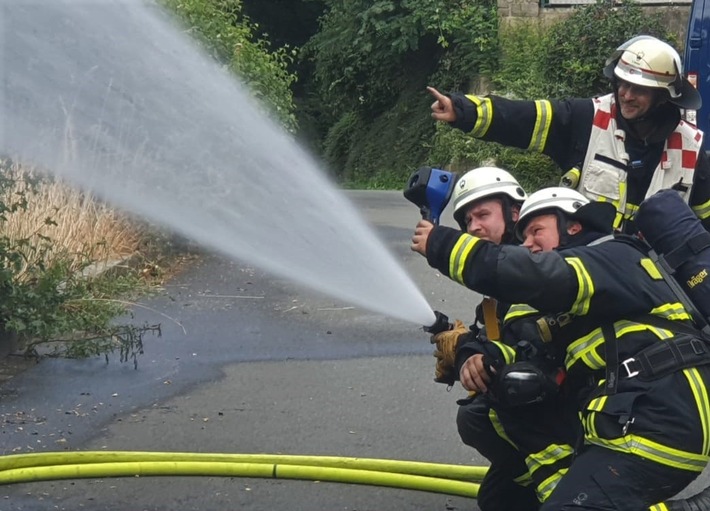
column 666, row 272
column 690, row 348
column 675, row 326
column 663, row 358
column 688, row 250
column 611, row 354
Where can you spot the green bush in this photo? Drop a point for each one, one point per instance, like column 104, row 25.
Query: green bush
column 230, row 38
column 576, row 49
column 521, row 74
column 373, row 61
column 455, row 150
column 44, row 298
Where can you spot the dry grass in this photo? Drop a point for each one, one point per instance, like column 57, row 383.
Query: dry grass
column 85, row 226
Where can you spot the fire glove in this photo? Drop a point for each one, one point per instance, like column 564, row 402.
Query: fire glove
column 445, row 352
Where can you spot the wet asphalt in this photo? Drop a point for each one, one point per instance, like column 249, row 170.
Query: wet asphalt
column 249, row 363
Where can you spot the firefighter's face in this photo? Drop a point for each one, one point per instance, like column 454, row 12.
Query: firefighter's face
column 485, row 219
column 541, row 234
column 634, row 100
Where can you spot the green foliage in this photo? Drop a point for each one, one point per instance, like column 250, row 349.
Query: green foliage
column 372, row 62
column 576, row 48
column 455, row 150
column 44, row 299
column 521, row 73
column 382, row 153
column 363, row 51
column 230, row 38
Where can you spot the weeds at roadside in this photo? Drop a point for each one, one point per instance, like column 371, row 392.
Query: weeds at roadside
column 61, row 292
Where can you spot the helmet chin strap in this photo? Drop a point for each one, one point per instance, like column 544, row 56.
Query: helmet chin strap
column 509, row 233
column 562, row 228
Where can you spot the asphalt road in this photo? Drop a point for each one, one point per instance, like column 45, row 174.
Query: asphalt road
column 249, row 363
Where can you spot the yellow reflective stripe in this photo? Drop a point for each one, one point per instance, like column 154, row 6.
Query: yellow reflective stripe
column 543, row 121
column 597, row 404
column 672, row 311
column 700, row 393
column 508, row 351
column 484, row 115
column 618, row 220
column 651, row 268
column 495, row 422
column 519, row 310
column 586, row 287
column 702, row 211
column 549, row 455
column 630, row 210
column 585, row 349
column 545, row 488
column 658, row 507
column 626, row 327
column 457, row 259
column 590, row 424
column 523, row 480
column 648, row 449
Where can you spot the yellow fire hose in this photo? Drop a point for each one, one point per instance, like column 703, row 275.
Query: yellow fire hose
column 413, row 475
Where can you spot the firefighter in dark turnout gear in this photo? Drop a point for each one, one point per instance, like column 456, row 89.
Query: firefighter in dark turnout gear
column 542, row 424
column 486, row 204
column 619, row 148
column 645, row 432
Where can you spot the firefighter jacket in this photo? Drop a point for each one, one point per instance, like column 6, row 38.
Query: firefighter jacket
column 607, row 285
column 596, row 148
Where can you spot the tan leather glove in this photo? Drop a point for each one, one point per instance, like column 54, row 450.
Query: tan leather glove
column 445, row 352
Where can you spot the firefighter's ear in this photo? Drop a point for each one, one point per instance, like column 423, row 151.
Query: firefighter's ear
column 515, row 212
column 573, row 228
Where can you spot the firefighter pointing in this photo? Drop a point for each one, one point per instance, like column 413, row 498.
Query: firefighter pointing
column 620, row 148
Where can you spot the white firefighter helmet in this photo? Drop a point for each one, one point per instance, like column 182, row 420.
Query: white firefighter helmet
column 483, row 182
column 598, row 216
column 650, row 62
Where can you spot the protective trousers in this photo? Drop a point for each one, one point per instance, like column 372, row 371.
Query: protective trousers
column 603, row 480
column 499, row 489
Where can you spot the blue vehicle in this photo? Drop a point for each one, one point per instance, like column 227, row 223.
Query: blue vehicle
column 696, row 64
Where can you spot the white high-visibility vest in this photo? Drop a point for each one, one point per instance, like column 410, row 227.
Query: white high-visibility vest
column 604, row 172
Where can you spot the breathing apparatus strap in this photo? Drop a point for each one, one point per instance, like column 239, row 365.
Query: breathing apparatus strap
column 490, row 318
column 666, row 270
column 611, row 354
column 688, row 250
column 689, row 348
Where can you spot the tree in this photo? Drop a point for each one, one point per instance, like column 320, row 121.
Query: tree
column 372, row 61
column 230, row 37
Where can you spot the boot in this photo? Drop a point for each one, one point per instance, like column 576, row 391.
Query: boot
column 698, row 502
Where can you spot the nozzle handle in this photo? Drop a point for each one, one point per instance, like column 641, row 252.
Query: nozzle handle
column 440, row 325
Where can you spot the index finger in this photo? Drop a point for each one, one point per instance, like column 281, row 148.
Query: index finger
column 434, row 92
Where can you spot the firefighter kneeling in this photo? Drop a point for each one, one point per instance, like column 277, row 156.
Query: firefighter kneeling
column 643, row 436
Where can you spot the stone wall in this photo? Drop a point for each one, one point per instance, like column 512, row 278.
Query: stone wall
column 511, row 11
